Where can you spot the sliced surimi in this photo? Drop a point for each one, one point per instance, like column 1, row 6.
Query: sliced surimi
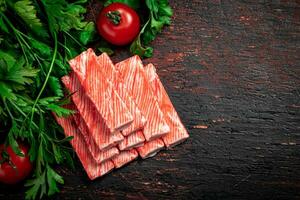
column 177, row 132
column 96, row 125
column 98, row 155
column 101, row 91
column 124, row 157
column 93, row 169
column 109, row 71
column 133, row 140
column 132, row 73
column 151, row 148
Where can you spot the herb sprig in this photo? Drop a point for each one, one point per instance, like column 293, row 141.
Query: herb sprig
column 37, row 38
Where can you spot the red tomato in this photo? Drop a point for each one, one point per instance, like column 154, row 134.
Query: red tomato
column 118, row 24
column 15, row 168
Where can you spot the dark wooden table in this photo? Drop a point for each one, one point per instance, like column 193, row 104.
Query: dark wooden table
column 232, row 69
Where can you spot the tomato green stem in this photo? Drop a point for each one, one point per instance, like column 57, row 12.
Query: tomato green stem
column 114, row 17
column 5, row 157
column 12, row 165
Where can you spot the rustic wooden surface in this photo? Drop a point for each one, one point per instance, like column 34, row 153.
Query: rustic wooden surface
column 232, row 69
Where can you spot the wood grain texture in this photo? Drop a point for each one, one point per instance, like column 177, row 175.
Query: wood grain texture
column 232, row 70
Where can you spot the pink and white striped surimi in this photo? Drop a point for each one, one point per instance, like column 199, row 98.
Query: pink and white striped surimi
column 93, row 169
column 151, row 148
column 109, row 71
column 133, row 140
column 101, row 91
column 124, row 157
column 98, row 155
column 132, row 72
column 96, row 125
column 177, row 132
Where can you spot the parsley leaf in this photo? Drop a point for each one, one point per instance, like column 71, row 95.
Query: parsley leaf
column 88, row 33
column 55, row 86
column 159, row 15
column 64, row 16
column 37, row 184
column 59, row 111
column 137, row 48
column 52, row 178
column 15, row 73
column 27, row 12
column 6, row 91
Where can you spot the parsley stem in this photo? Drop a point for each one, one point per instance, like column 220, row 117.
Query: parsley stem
column 68, row 34
column 22, row 47
column 33, row 54
column 8, row 110
column 18, row 36
column 65, row 48
column 47, row 77
column 19, row 109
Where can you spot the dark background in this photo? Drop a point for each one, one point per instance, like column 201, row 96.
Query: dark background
column 232, row 69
